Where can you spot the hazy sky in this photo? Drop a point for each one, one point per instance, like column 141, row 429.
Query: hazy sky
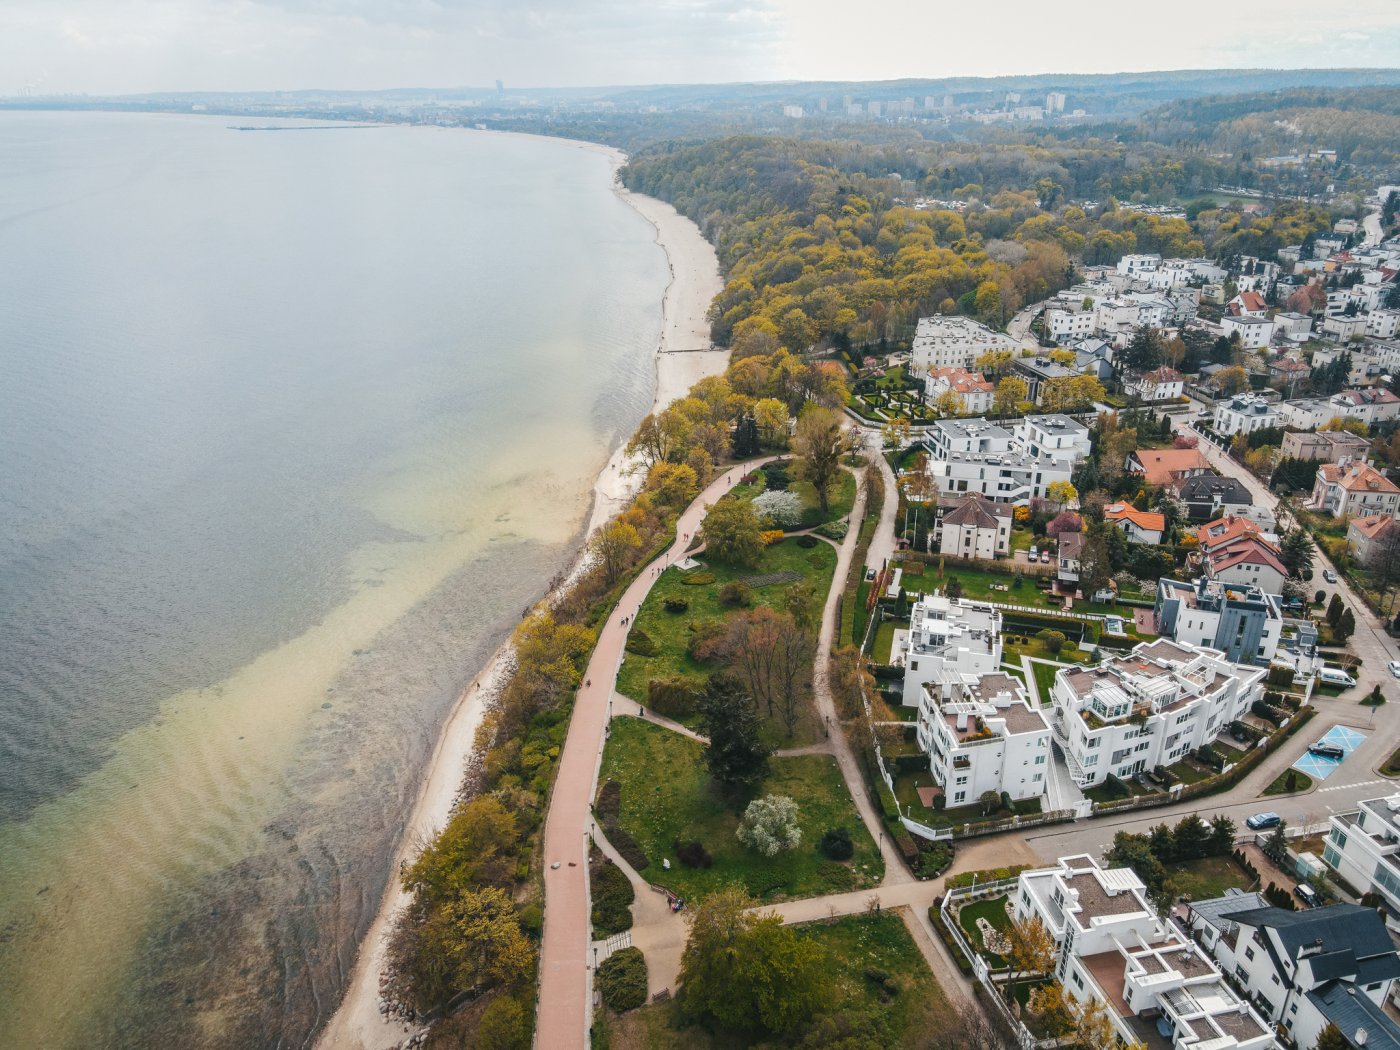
column 112, row 46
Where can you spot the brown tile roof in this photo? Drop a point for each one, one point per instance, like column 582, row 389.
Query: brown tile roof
column 1224, row 530
column 1141, row 518
column 978, row 511
column 1356, row 477
column 1160, row 465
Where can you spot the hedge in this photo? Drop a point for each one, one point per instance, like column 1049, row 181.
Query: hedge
column 622, row 978
column 954, row 949
column 966, row 878
column 612, row 897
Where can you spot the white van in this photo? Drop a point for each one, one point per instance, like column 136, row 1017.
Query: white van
column 1331, row 676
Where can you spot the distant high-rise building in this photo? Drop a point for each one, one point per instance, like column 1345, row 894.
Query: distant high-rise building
column 500, row 87
column 873, row 108
column 846, row 102
column 1055, row 102
column 929, row 102
column 821, row 105
column 792, row 111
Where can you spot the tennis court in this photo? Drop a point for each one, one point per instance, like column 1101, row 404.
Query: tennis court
column 1320, row 767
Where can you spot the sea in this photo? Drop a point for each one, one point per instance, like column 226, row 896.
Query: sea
column 295, row 422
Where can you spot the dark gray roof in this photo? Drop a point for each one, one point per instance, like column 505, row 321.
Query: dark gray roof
column 1336, row 927
column 1210, row 911
column 1351, row 1011
column 1207, row 486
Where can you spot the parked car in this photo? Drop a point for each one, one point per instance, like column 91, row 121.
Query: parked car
column 1394, row 668
column 1033, row 552
column 1326, row 750
column 1045, row 557
column 1332, row 676
column 1329, row 575
column 1307, row 895
column 1260, row 821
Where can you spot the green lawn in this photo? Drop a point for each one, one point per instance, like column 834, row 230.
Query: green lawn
column 855, row 945
column 881, row 942
column 668, row 797
column 1189, row 772
column 672, row 632
column 981, row 586
column 842, row 496
column 1035, row 649
column 1216, row 875
column 1021, row 539
column 1044, row 679
column 884, row 640
column 994, row 911
column 1282, row 785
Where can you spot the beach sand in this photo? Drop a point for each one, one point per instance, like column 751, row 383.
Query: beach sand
column 684, row 356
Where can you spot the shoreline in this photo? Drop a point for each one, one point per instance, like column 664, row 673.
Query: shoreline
column 683, row 356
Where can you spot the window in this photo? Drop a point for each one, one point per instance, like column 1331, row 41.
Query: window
column 1249, row 953
column 1078, row 980
column 1037, row 778
column 1339, row 838
column 962, row 780
column 1040, row 760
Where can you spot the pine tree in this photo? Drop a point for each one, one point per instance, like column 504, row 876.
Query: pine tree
column 1346, row 626
column 1334, row 610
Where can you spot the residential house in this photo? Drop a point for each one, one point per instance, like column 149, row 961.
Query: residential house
column 949, row 636
column 1161, row 384
column 973, row 392
column 1054, row 436
column 1328, row 446
column 1247, row 304
column 1094, row 357
column 1165, row 466
column 1147, row 708
column 1351, row 486
column 1242, row 622
column 1225, row 531
column 1246, row 560
column 1037, row 371
column 1307, row 969
column 1064, row 323
column 1286, row 372
column 1382, row 324
column 1307, row 413
column 954, row 342
column 1372, row 536
column 1244, row 414
column 972, row 526
column 1204, row 919
column 1343, row 327
column 1110, row 947
column 973, row 455
column 1293, row 326
column 1067, row 559
column 1370, row 404
column 1140, row 526
column 1255, row 332
column 1206, row 495
column 981, row 734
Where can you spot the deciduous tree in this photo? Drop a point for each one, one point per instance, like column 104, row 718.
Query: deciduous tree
column 770, row 825
column 613, row 545
column 731, row 529
column 821, row 440
column 1032, row 947
column 736, row 755
column 1011, row 392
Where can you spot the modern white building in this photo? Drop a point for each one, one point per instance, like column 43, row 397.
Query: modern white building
column 980, row 735
column 1148, row 708
column 1307, row 969
column 949, row 636
column 1056, row 436
column 1382, row 324
column 1111, row 947
column 1065, row 324
column 1241, row 622
column 973, row 455
column 1307, row 413
column 1244, row 414
column 1255, row 332
column 1293, row 326
column 954, row 342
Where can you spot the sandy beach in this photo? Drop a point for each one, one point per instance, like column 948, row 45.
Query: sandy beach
column 684, row 356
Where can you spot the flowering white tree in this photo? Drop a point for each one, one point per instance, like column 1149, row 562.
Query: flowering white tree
column 770, row 825
column 781, row 507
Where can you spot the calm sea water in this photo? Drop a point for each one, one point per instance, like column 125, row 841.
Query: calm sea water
column 293, row 424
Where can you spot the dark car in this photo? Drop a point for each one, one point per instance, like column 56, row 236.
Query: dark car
column 1260, row 821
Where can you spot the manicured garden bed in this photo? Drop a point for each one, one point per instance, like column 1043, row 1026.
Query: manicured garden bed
column 994, row 911
column 1288, row 782
column 668, row 799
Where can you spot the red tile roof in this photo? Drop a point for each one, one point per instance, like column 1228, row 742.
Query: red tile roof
column 1225, row 530
column 1143, row 519
column 1161, row 465
column 1356, row 477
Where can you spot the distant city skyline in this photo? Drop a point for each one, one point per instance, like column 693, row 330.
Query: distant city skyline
column 140, row 46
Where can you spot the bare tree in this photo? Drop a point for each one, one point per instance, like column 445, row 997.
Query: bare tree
column 773, row 656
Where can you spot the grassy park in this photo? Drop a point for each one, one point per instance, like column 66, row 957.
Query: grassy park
column 669, row 798
column 671, row 633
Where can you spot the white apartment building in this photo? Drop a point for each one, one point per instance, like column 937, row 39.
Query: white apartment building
column 1242, row 622
column 1307, row 969
column 1135, row 265
column 1294, row 327
column 1068, row 325
column 1307, row 413
column 1147, row 709
column 1110, row 946
column 1382, row 324
column 1054, row 435
column 1368, row 404
column 949, row 636
column 1363, row 847
column 973, row 455
column 1244, row 414
column 1342, row 328
column 981, row 734
column 954, row 342
column 1255, row 332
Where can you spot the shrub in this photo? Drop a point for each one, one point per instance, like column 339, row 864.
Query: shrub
column 694, row 855
column 622, row 978
column 775, row 477
column 807, row 541
column 836, row 844
column 676, row 605
column 770, row 825
column 698, row 578
column 532, row 919
column 934, row 858
column 834, row 530
column 609, row 802
column 641, row 643
column 736, row 594
column 628, row 847
column 672, row 697
column 1279, row 674
column 612, row 897
column 707, row 640
column 504, row 1025
column 782, row 508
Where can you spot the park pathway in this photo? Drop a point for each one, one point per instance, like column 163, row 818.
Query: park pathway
column 565, row 977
